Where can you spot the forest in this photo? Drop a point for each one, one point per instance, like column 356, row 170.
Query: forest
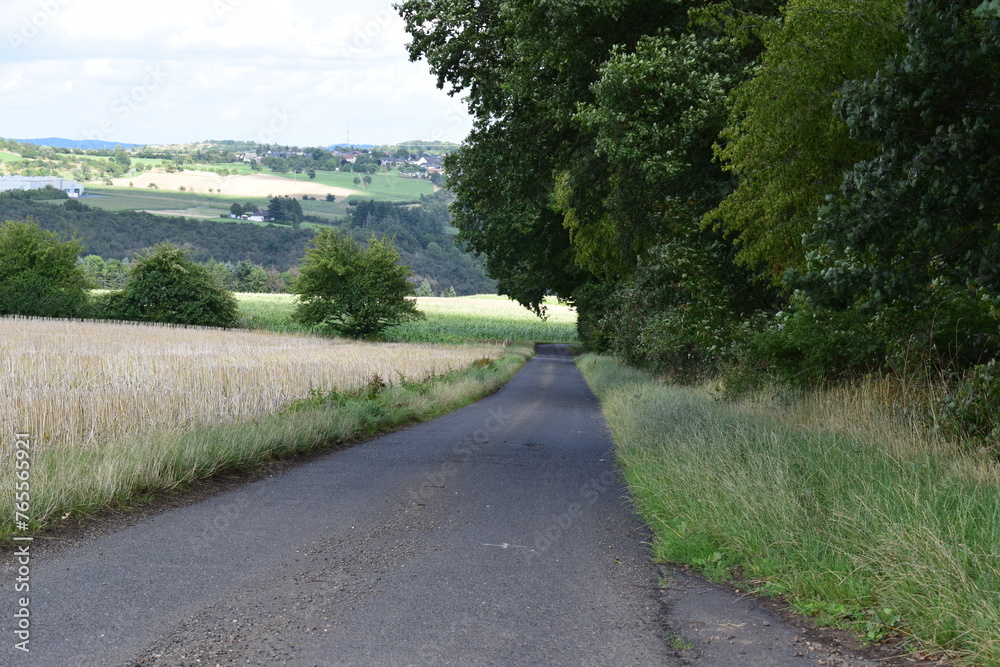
column 801, row 192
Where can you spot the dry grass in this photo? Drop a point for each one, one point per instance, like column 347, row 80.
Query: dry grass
column 75, row 383
column 848, row 502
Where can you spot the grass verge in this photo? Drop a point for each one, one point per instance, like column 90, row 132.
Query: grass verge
column 865, row 523
column 68, row 481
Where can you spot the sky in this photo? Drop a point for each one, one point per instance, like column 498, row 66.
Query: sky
column 295, row 72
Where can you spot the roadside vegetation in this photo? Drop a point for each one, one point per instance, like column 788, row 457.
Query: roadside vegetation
column 842, row 502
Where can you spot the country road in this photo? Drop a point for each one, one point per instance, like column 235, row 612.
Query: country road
column 499, row 534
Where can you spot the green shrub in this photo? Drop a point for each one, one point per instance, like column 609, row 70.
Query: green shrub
column 806, row 347
column 678, row 314
column 39, row 275
column 164, row 285
column 970, row 409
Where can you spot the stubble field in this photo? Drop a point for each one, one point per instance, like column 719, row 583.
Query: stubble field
column 77, row 383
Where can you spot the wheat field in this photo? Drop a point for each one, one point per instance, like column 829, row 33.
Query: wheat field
column 79, row 383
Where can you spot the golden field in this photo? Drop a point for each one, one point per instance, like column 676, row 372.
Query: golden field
column 75, row 383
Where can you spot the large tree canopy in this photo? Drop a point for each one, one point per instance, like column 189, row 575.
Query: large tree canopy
column 693, row 173
column 927, row 206
column 523, row 67
column 784, row 140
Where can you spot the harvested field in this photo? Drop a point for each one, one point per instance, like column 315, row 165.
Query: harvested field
column 253, row 185
column 78, row 383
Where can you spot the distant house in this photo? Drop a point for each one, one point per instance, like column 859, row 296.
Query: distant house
column 249, row 156
column 256, row 217
column 72, row 188
column 283, row 154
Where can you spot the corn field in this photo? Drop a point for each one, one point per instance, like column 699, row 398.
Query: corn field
column 80, row 383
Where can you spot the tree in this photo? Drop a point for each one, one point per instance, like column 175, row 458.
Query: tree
column 164, row 285
column 39, row 274
column 354, row 290
column 250, row 277
column 367, row 180
column 285, row 208
column 425, row 289
column 121, row 158
column 357, row 180
column 784, row 140
column 912, row 235
column 236, row 209
column 524, row 69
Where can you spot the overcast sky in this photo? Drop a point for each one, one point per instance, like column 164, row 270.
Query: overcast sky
column 297, row 72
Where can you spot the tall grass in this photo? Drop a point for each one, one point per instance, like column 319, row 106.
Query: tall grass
column 839, row 501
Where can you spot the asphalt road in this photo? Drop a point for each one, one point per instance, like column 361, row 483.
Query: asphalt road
column 496, row 535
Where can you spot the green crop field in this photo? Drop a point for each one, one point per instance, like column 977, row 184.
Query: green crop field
column 480, row 318
column 148, row 199
column 384, row 186
column 9, row 157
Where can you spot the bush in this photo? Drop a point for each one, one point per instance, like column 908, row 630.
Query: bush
column 39, row 275
column 164, row 285
column 806, row 347
column 675, row 315
column 970, row 409
column 351, row 289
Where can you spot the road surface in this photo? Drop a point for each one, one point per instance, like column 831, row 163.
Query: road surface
column 496, row 535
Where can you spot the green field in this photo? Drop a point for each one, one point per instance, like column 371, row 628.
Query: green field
column 146, row 199
column 384, row 186
column 192, row 204
column 459, row 320
column 9, row 157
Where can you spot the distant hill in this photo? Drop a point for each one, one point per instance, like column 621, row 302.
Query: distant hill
column 345, row 144
column 87, row 144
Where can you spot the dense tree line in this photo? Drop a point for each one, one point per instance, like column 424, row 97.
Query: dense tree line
column 804, row 190
column 420, row 232
column 124, row 234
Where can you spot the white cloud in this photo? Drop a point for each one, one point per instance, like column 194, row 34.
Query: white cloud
column 165, row 71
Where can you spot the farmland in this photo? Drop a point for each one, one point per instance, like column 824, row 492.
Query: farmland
column 117, row 413
column 79, row 383
column 132, row 193
column 456, row 320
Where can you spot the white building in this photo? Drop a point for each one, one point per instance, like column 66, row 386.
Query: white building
column 72, row 188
